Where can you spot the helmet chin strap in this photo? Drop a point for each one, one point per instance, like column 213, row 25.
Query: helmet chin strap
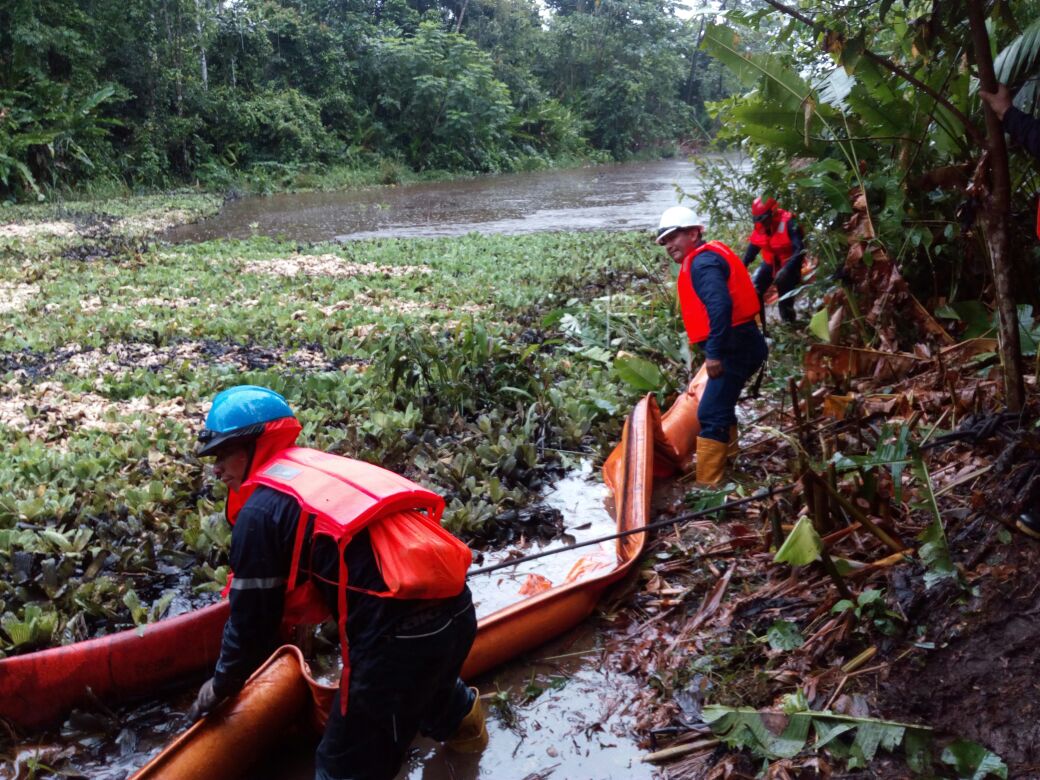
column 251, row 448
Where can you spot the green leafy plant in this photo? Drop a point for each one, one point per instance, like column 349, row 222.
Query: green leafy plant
column 870, row 605
column 785, row 735
column 802, row 546
column 934, row 550
column 784, row 635
column 973, row 761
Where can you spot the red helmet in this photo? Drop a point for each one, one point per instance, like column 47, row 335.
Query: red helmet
column 762, row 208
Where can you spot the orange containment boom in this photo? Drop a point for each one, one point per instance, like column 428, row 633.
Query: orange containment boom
column 38, row 689
column 266, row 713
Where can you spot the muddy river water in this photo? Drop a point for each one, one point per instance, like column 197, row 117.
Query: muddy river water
column 629, row 196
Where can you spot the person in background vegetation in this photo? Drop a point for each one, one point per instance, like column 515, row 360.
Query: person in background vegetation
column 778, row 237
column 402, row 655
column 1024, row 130
column 719, row 306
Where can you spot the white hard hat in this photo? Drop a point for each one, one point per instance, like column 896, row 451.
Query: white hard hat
column 676, row 218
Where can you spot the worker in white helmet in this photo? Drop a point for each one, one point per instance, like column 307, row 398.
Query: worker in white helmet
column 719, row 309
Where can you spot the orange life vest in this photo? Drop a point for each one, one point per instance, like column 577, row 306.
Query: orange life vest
column 741, row 290
column 417, row 558
column 776, row 246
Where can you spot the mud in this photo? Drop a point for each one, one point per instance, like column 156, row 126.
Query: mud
column 980, row 680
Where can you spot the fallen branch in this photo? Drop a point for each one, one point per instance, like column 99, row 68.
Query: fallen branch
column 680, row 750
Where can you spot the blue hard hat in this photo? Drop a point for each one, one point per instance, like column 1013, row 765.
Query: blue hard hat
column 239, row 413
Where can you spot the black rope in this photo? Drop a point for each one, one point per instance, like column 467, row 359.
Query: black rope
column 759, row 496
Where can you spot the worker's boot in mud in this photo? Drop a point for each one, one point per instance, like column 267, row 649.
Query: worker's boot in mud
column 472, row 735
column 733, row 449
column 711, row 461
column 1029, row 524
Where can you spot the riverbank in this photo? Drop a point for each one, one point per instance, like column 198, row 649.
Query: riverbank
column 274, row 179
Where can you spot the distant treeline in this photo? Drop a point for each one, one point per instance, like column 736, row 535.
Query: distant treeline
column 149, row 93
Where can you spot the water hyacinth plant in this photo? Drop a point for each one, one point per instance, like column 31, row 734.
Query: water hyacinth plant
column 479, row 366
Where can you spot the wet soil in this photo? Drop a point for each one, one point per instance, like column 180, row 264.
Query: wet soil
column 980, row 681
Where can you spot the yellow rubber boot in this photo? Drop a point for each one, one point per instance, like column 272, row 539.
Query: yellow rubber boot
column 711, row 460
column 472, row 735
column 733, row 450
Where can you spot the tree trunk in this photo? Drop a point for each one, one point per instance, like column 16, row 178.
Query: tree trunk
column 995, row 215
column 462, row 14
column 203, row 69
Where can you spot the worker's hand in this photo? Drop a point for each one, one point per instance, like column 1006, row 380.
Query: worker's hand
column 999, row 101
column 205, row 701
column 714, row 368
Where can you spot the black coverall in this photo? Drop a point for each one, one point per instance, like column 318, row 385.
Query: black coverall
column 1023, row 129
column 405, row 656
column 786, row 279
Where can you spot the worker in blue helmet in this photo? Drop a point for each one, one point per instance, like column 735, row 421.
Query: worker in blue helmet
column 404, row 655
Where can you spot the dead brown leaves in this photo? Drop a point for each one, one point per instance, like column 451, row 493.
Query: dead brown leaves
column 328, row 265
column 48, row 412
column 15, row 297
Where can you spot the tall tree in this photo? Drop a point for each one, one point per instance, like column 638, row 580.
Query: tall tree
column 996, row 213
column 895, row 114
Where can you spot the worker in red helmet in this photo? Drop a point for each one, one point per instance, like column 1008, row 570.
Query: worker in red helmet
column 778, row 237
column 317, row 535
column 719, row 306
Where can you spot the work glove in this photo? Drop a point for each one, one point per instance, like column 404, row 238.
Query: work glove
column 205, row 701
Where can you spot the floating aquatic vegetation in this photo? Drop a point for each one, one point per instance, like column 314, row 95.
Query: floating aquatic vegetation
column 36, row 229
column 49, row 412
column 442, row 370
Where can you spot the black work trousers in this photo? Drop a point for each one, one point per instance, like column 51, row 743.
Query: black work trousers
column 786, row 279
column 744, row 355
column 402, row 683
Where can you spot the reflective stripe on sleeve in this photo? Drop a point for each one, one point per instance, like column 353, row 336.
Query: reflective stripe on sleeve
column 257, row 583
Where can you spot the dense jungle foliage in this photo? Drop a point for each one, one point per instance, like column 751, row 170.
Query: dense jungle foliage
column 153, row 92
column 882, row 98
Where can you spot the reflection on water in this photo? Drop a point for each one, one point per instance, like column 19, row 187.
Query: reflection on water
column 582, row 503
column 564, row 715
column 628, row 196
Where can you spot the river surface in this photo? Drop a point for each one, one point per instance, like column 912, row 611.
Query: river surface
column 628, row 196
